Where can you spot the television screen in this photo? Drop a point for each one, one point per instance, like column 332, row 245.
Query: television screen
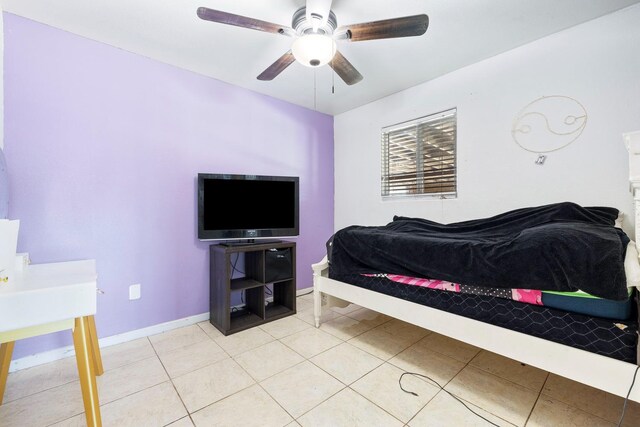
column 247, row 206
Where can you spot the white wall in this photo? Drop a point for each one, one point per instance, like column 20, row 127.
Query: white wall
column 597, row 63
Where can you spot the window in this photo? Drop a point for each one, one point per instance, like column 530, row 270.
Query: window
column 419, row 156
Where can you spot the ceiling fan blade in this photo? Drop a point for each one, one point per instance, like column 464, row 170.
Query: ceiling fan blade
column 242, row 21
column 277, row 67
column 407, row 26
column 344, row 69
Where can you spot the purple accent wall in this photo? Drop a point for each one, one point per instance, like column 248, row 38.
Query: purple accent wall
column 103, row 147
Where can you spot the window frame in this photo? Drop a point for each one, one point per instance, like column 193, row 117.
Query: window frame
column 419, row 179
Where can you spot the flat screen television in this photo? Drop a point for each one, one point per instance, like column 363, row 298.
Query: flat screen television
column 243, row 207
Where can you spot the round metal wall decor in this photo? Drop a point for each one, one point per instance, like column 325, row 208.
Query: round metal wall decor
column 549, row 124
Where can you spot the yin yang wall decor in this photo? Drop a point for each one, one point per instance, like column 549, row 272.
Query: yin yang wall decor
column 549, row 124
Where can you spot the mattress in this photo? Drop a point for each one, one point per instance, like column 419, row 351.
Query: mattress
column 577, row 302
column 612, row 338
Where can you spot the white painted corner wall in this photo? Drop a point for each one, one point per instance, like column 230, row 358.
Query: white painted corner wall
column 596, row 63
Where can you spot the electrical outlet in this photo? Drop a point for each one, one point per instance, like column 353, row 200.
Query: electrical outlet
column 134, row 291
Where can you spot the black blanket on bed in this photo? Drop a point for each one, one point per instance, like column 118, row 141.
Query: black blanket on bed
column 560, row 247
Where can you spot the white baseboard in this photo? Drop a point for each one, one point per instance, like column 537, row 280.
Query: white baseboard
column 60, row 353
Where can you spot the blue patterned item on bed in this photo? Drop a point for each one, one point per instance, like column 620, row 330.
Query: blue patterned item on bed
column 584, row 303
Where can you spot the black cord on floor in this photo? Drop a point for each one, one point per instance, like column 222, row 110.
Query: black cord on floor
column 626, row 399
column 441, row 388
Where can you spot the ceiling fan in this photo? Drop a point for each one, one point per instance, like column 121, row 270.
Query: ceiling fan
column 315, row 30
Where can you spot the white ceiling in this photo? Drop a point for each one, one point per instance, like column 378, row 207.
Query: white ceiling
column 461, row 32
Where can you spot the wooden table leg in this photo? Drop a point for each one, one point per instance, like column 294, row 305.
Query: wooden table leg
column 95, row 346
column 86, row 370
column 6, row 350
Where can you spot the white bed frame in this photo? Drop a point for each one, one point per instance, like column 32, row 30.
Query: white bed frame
column 595, row 370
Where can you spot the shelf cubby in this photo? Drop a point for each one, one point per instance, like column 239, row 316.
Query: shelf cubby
column 266, row 264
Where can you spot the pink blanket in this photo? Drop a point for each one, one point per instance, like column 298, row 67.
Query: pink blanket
column 528, row 296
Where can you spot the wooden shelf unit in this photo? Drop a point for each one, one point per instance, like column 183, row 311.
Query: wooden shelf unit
column 265, row 264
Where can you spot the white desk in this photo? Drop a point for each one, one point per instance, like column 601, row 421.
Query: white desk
column 47, row 298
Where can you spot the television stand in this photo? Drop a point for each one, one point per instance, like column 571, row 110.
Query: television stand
column 266, row 263
column 248, row 242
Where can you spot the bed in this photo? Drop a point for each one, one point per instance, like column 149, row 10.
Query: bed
column 604, row 355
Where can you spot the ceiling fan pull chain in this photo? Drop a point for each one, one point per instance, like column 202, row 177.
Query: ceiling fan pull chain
column 333, row 79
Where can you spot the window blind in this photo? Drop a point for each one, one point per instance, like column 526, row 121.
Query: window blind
column 419, row 156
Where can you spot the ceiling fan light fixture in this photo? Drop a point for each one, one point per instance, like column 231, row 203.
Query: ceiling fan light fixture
column 314, row 50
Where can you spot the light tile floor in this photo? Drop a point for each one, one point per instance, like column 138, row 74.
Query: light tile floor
column 288, row 373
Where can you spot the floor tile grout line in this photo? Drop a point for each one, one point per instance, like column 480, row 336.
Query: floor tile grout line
column 467, row 401
column 295, row 332
column 175, row 421
column 468, row 364
column 397, row 367
column 115, row 400
column 442, row 387
column 359, row 378
column 221, row 399
column 374, row 403
column 248, row 373
column 286, row 369
column 171, row 379
column 533, row 408
column 320, row 403
column 314, row 355
column 118, row 399
column 6, row 402
column 76, row 378
column 297, row 364
column 499, row 377
column 391, row 357
column 358, row 334
column 507, row 379
column 135, row 392
column 353, row 382
column 306, row 360
column 483, row 409
column 422, row 408
column 277, row 403
column 480, row 350
column 571, row 405
column 272, row 375
column 458, row 373
column 111, row 401
column 182, row 346
column 66, row 419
